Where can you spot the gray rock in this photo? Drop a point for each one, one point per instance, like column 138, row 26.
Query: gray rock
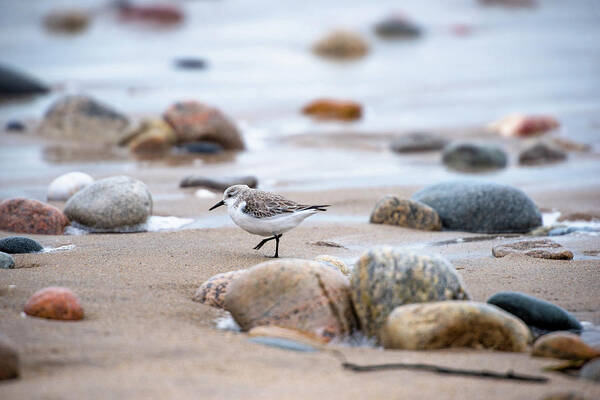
column 397, row 27
column 15, row 83
column 19, row 245
column 471, row 157
column 406, row 213
column 591, row 370
column 541, row 153
column 385, row 278
column 218, row 184
column 111, row 203
column 417, row 142
column 84, row 119
column 6, row 261
column 539, row 248
column 9, row 359
column 482, row 207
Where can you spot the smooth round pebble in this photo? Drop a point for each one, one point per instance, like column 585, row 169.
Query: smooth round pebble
column 406, row 213
column 19, row 245
column 213, row 291
column 65, row 186
column 472, row 157
column 31, row 216
column 563, row 345
column 6, row 261
column 54, row 303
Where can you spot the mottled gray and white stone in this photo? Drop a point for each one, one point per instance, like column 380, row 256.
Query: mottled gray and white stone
column 473, row 157
column 6, row 261
column 406, row 213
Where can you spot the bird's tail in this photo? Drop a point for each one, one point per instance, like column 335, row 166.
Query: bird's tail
column 318, row 208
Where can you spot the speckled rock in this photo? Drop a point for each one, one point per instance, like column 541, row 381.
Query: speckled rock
column 66, row 21
column 151, row 136
column 343, row 45
column 66, row 185
column 538, row 248
column 483, row 207
column 591, row 371
column 6, row 261
column 19, row 245
column 397, row 26
column 563, row 345
column 286, row 333
column 406, row 213
column 218, row 184
column 213, row 291
column 445, row 324
column 472, row 157
column 417, row 142
column 31, row 216
column 54, row 303
column 535, row 312
column 524, row 125
column 85, row 119
column 334, row 262
column 541, row 153
column 111, row 203
column 385, row 278
column 296, row 294
column 345, row 110
column 9, row 359
column 193, row 121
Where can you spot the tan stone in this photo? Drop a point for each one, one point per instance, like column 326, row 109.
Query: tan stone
column 539, row 248
column 333, row 109
column 54, row 303
column 342, row 45
column 563, row 345
column 406, row 213
column 213, row 291
column 335, row 262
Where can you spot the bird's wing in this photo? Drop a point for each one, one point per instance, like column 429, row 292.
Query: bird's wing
column 269, row 206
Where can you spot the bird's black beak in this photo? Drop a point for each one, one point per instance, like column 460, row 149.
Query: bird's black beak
column 219, row 204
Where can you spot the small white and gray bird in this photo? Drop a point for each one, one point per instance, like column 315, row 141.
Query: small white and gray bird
column 263, row 213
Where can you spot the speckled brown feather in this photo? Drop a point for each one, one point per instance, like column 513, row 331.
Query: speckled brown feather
column 262, row 204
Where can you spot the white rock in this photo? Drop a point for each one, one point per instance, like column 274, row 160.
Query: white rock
column 65, row 186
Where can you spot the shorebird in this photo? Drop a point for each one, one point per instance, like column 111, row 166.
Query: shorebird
column 263, row 213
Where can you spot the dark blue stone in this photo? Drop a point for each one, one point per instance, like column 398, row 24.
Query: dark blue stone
column 16, row 83
column 14, row 126
column 19, row 244
column 203, row 147
column 190, row 63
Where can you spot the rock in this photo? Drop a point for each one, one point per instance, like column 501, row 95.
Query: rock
column 417, row 142
column 213, row 291
column 326, row 243
column 563, row 345
column 190, row 63
column 591, row 371
column 335, row 262
column 385, row 278
column 541, row 153
column 66, row 21
column 297, row 294
column 151, row 136
column 564, row 396
column 162, row 14
column 343, row 45
column 483, row 207
column 397, row 26
column 85, row 119
column 446, row 324
column 535, row 312
column 285, row 344
column 111, row 203
column 540, row 248
column 202, row 147
column 471, row 157
column 219, row 184
column 14, row 83
column 54, row 303
column 524, row 125
column 19, row 245
column 345, row 110
column 14, row 126
column 407, row 213
column 286, row 333
column 570, row 145
column 9, row 359
column 193, row 121
column 6, row 261
column 31, row 216
column 66, row 185
column 509, row 3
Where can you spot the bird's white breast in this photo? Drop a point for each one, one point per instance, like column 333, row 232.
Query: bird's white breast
column 268, row 226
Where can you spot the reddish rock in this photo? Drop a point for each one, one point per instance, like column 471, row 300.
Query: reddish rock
column 54, row 303
column 524, row 125
column 563, row 345
column 31, row 216
column 333, row 109
column 213, row 291
column 154, row 13
column 193, row 121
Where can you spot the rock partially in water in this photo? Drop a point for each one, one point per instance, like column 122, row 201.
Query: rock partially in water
column 518, row 125
column 418, row 142
column 297, row 294
column 111, row 203
column 397, row 26
column 54, row 303
column 14, row 126
column 193, row 121
column 15, row 83
column 213, row 291
column 345, row 110
column 473, row 157
column 591, row 371
column 535, row 312
column 67, row 21
column 151, row 136
column 9, row 359
column 202, row 147
column 540, row 154
column 160, row 14
column 190, row 63
column 540, row 248
column 483, row 207
column 446, row 324
column 335, row 263
column 406, row 213
column 6, row 261
column 19, row 245
column 31, row 216
column 66, row 185
column 563, row 345
column 218, row 184
column 83, row 119
column 385, row 278
column 342, row 45
column 288, row 334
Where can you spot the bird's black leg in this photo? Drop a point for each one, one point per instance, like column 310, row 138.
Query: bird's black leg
column 277, row 246
column 262, row 242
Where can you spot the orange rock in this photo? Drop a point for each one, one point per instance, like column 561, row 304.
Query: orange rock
column 333, row 109
column 524, row 125
column 287, row 333
column 563, row 345
column 54, row 303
